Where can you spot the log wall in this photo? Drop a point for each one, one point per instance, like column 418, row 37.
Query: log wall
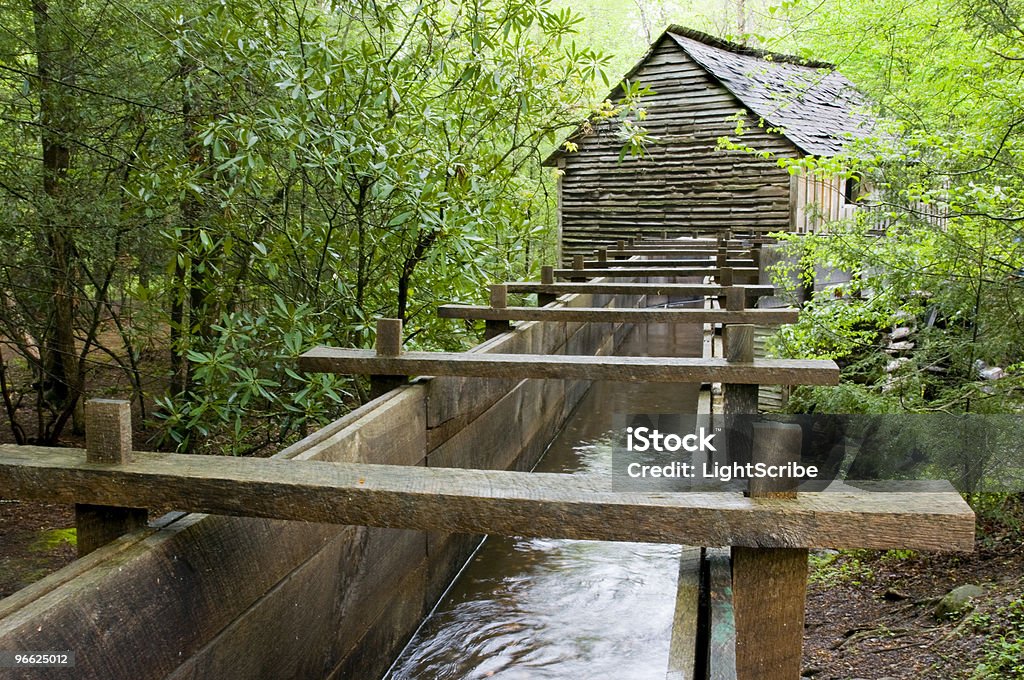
column 686, row 183
column 205, row 596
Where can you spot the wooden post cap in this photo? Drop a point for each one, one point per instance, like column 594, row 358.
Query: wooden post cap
column 389, row 337
column 547, row 274
column 620, row 244
column 577, row 262
column 602, row 254
column 108, row 431
column 499, row 296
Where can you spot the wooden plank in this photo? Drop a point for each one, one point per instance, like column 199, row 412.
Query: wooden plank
column 690, row 262
column 483, row 501
column 678, row 289
column 767, row 317
column 721, row 662
column 682, row 655
column 576, row 367
column 676, row 251
column 650, row 270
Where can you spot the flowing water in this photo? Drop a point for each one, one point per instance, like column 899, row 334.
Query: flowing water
column 550, row 608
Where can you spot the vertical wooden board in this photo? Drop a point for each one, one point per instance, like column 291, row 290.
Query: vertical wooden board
column 462, row 399
column 769, row 591
column 251, row 647
column 682, row 656
column 446, row 556
column 392, row 434
column 336, row 599
column 389, row 630
column 721, row 663
column 490, row 442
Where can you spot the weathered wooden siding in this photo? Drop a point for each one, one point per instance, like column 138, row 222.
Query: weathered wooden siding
column 686, row 183
column 206, row 596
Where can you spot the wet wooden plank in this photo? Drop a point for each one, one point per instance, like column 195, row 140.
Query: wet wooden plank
column 722, row 623
column 575, row 367
column 483, row 501
column 766, row 317
column 682, row 655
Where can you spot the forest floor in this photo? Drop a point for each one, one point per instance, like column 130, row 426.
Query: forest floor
column 869, row 614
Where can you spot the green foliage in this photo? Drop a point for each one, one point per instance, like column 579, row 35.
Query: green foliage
column 356, row 160
column 1004, row 647
column 831, row 568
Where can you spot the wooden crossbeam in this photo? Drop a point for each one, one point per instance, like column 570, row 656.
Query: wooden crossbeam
column 487, row 502
column 573, row 367
column 673, row 251
column 767, row 317
column 652, row 269
column 680, row 289
column 688, row 262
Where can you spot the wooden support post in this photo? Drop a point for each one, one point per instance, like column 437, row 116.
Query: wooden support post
column 389, row 337
column 499, row 296
column 738, row 347
column 547, row 274
column 755, row 256
column 722, row 259
column 770, row 584
column 547, row 277
column 577, row 264
column 725, row 277
column 664, row 235
column 499, row 300
column 602, row 254
column 388, row 344
column 108, row 440
column 735, row 299
column 620, row 244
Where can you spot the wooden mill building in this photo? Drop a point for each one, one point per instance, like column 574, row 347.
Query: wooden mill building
column 686, row 183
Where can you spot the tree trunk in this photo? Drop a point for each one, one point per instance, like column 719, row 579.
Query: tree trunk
column 58, row 390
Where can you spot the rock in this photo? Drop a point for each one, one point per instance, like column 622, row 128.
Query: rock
column 904, row 346
column 894, row 595
column 895, row 364
column 901, row 333
column 957, row 602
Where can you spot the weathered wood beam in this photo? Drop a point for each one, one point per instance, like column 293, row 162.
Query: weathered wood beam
column 766, row 317
column 681, row 289
column 487, row 501
column 651, row 269
column 688, row 262
column 573, row 367
column 676, row 251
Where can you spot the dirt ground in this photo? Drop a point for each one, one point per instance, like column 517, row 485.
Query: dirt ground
column 870, row 615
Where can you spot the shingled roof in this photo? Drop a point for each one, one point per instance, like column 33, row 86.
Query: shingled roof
column 812, row 104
